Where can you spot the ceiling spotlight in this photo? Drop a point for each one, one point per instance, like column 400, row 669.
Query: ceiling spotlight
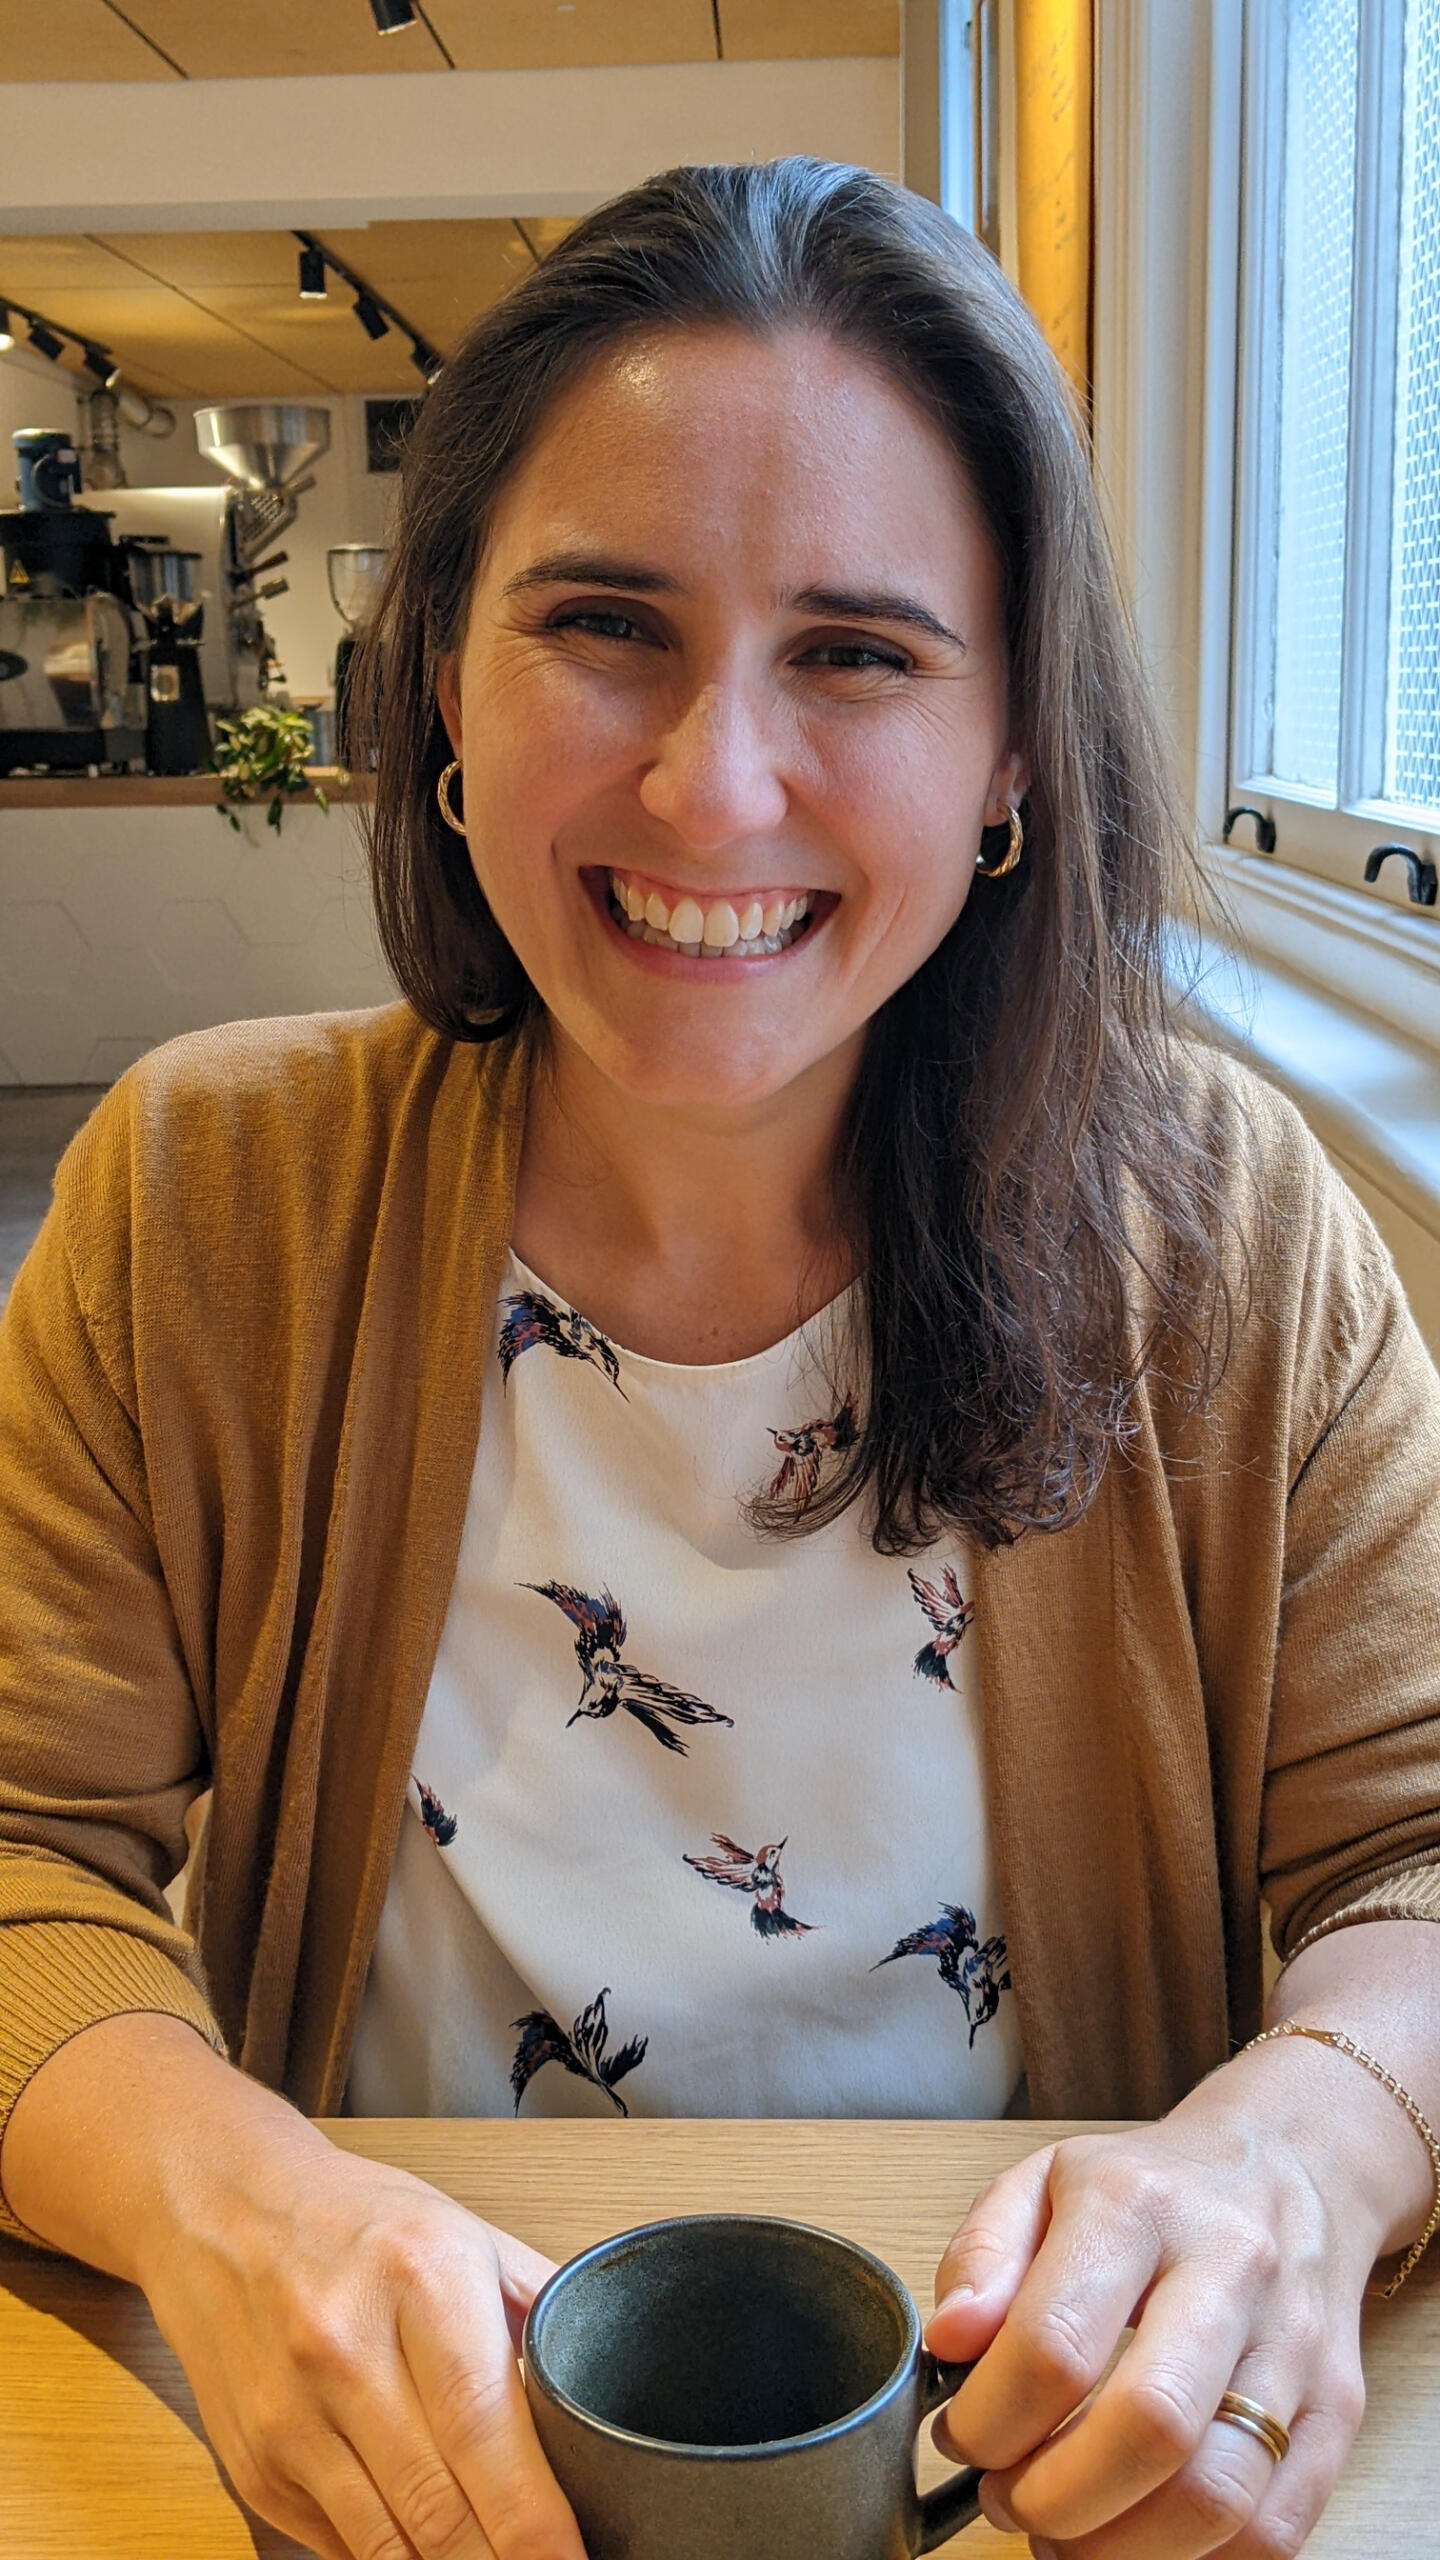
column 7, row 334
column 45, row 342
column 312, row 273
column 370, row 316
column 425, row 360
column 102, row 365
column 391, row 16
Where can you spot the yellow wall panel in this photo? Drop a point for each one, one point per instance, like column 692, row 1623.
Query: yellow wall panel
column 1053, row 54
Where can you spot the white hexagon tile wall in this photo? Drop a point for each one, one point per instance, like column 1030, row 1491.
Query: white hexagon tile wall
column 120, row 928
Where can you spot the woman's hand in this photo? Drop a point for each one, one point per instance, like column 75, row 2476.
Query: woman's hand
column 1236, row 2236
column 351, row 2336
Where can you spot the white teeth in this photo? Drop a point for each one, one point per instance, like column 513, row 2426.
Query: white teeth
column 717, row 932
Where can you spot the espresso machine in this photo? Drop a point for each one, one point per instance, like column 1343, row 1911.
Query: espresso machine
column 355, row 571
column 264, row 450
column 70, row 664
column 162, row 583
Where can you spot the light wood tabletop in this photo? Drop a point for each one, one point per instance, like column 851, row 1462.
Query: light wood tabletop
column 102, row 2455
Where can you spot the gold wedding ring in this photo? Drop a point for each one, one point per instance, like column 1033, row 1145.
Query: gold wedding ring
column 1239, row 2412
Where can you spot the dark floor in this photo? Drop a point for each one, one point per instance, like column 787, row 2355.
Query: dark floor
column 37, row 1122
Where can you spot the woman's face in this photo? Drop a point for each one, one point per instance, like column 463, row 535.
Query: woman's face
column 734, row 677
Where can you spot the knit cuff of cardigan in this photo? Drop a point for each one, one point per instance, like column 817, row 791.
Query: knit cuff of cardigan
column 1409, row 1893
column 46, row 1997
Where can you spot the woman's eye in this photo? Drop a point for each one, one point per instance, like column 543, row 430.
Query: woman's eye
column 599, row 620
column 859, row 657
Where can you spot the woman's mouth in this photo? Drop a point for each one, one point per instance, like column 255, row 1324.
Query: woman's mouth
column 747, row 924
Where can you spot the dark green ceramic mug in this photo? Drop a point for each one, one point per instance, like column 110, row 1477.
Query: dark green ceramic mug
column 728, row 2387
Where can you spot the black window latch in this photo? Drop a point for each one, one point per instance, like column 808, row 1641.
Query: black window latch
column 1422, row 873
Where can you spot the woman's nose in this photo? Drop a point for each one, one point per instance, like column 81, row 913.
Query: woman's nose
column 715, row 778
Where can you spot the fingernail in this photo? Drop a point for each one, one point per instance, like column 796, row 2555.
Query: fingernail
column 955, row 2300
column 1043, row 2551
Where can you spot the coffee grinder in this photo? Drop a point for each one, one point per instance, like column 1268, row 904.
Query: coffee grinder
column 177, row 726
column 355, row 571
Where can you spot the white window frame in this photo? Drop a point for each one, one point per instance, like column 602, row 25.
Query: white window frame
column 1170, row 331
column 1314, row 833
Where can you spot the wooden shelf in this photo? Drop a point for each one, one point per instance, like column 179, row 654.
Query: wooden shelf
column 156, row 790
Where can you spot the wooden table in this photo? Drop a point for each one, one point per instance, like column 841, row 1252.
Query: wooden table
column 102, row 2456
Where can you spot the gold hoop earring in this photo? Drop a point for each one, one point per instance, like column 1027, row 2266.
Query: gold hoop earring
column 997, row 870
column 442, row 794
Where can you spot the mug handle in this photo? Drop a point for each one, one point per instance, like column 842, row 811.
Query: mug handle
column 944, row 2510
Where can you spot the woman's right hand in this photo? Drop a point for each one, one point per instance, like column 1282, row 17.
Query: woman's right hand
column 350, row 2334
column 351, row 2337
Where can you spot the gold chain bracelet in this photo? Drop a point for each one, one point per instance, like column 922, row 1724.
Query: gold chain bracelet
column 1387, row 2080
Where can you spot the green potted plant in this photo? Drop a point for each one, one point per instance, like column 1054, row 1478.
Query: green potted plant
column 263, row 753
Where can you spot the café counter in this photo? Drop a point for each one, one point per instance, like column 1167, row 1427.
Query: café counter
column 131, row 911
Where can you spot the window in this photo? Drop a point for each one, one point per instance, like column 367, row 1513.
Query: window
column 1336, row 715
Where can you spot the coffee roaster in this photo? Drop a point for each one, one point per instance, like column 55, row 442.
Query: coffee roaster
column 70, row 661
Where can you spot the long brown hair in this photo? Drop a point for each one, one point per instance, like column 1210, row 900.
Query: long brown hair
column 1037, row 1211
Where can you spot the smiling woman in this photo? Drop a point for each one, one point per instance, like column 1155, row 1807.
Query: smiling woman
column 768, row 1498
column 755, row 521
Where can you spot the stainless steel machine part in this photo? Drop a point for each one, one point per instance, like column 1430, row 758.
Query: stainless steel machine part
column 65, row 676
column 355, row 571
column 263, row 444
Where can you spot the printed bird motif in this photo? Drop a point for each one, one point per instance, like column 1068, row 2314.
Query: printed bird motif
column 582, row 2052
column 979, row 1974
column 608, row 1681
column 949, row 1615
column 803, row 1452
column 530, row 1319
column 442, row 1826
column 760, row 1877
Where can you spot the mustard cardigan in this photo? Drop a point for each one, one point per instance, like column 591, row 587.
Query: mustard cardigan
column 240, row 1381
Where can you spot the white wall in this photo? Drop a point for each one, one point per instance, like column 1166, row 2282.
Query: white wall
column 347, row 504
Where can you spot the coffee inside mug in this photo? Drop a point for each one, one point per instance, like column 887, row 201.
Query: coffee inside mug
column 741, row 2338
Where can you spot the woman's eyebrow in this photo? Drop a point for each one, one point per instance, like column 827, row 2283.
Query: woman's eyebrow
column 866, row 606
column 590, row 569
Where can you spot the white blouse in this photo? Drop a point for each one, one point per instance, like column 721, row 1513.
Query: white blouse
column 697, row 1821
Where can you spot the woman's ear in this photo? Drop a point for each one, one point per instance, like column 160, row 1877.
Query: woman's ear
column 447, row 695
column 1008, row 784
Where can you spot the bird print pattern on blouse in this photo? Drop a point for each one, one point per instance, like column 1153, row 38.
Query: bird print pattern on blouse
column 582, row 2052
column 442, row 1826
column 530, row 1319
column 977, row 1973
column 759, row 1876
column 803, row 1453
column 949, row 1615
column 608, row 1681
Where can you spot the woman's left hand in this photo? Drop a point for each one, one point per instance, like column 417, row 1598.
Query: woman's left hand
column 1238, row 2252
